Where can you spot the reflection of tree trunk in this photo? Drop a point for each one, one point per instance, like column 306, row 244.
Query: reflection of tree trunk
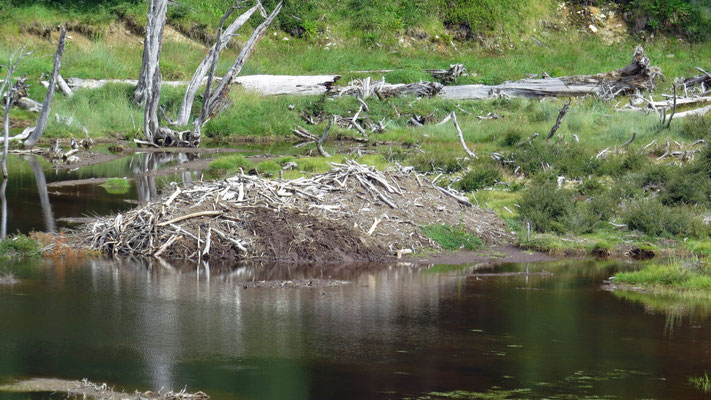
column 43, row 194
column 187, row 175
column 3, row 217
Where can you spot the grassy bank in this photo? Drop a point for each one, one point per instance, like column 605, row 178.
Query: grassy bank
column 692, row 280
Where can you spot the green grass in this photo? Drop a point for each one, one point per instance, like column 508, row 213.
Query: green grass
column 231, row 163
column 673, row 276
column 452, row 238
column 18, row 247
column 701, row 383
column 117, row 186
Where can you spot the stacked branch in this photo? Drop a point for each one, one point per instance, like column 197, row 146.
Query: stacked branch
column 226, row 219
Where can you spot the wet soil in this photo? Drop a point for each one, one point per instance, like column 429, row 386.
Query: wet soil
column 289, row 235
column 492, row 255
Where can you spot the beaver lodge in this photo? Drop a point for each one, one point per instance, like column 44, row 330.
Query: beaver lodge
column 353, row 213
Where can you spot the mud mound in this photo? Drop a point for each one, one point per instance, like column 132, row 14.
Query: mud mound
column 353, row 213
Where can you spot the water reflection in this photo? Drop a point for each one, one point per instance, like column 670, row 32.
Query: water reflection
column 50, row 223
column 145, row 166
column 402, row 330
column 26, row 191
column 3, row 210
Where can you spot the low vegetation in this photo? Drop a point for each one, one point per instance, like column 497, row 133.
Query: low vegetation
column 452, row 238
column 669, row 276
column 19, row 247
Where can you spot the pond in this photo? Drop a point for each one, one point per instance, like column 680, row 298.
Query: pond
column 40, row 198
column 395, row 332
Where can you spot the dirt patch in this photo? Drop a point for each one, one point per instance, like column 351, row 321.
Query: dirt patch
column 292, row 236
column 491, row 256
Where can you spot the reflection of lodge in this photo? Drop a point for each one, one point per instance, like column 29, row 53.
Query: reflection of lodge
column 147, row 164
column 183, row 310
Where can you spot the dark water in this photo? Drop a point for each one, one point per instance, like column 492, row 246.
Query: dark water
column 397, row 332
column 31, row 205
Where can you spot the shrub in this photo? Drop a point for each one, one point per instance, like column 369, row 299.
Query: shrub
column 651, row 217
column 547, row 207
column 479, row 178
column 18, row 246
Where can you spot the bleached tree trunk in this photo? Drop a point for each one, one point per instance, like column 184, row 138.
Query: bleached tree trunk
column 202, row 70
column 149, row 83
column 37, row 133
column 218, row 100
column 6, row 129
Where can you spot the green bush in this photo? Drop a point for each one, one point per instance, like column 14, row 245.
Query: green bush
column 479, row 178
column 547, row 207
column 651, row 217
column 18, row 246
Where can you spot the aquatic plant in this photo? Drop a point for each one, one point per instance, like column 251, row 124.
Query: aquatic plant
column 702, row 383
column 17, row 247
column 116, row 186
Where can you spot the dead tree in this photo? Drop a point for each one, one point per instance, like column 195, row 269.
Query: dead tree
column 210, row 60
column 38, row 131
column 149, row 81
column 218, row 100
column 10, row 98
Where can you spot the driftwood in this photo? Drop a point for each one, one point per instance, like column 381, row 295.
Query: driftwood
column 636, row 75
column 267, row 85
column 38, row 131
column 449, row 75
column 364, row 89
column 319, row 143
column 558, row 121
column 28, row 104
column 202, row 70
column 453, row 117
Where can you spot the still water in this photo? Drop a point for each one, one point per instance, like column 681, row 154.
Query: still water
column 419, row 332
column 33, row 201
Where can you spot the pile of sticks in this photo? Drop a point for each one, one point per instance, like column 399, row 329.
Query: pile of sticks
column 213, row 218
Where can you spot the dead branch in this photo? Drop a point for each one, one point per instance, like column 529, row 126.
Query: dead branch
column 207, row 64
column 561, row 115
column 218, row 100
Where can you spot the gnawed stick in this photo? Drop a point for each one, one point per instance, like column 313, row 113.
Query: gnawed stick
column 166, row 245
column 561, row 115
column 189, row 216
column 375, row 225
column 627, row 143
column 461, row 136
column 319, row 143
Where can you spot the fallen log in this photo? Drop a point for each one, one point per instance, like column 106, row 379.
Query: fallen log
column 267, row 85
column 449, row 75
column 636, row 75
column 28, row 104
